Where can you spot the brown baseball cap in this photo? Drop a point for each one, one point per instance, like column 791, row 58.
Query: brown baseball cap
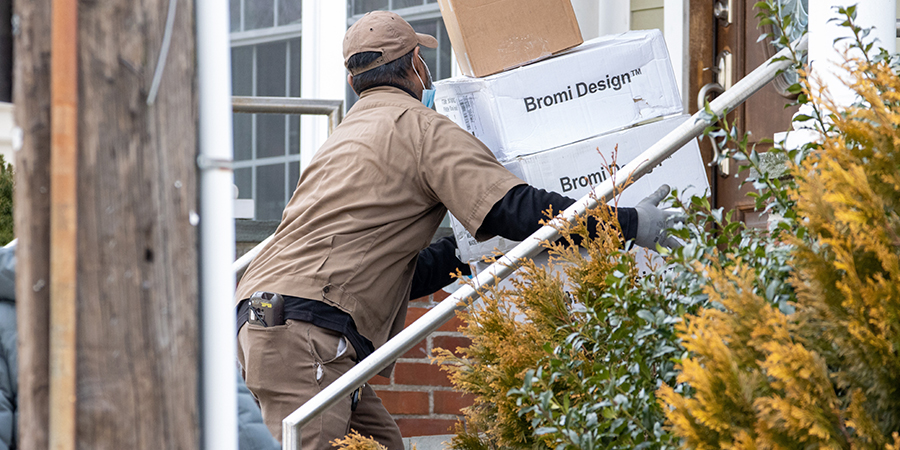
column 382, row 32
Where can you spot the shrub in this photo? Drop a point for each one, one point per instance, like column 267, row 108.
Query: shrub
column 826, row 375
column 513, row 330
column 7, row 187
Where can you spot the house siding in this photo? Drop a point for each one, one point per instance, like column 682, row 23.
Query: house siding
column 647, row 14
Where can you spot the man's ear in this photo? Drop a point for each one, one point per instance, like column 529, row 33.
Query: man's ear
column 350, row 82
column 416, row 59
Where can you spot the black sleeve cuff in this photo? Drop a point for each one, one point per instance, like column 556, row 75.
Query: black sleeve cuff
column 518, row 214
column 434, row 266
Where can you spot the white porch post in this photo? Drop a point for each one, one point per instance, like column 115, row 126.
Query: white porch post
column 615, row 17
column 322, row 73
column 599, row 18
column 676, row 32
column 826, row 58
column 588, row 14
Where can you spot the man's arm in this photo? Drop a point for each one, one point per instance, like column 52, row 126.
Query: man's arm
column 518, row 214
column 434, row 267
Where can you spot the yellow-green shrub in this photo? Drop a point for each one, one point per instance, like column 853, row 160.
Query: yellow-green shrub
column 828, row 375
column 514, row 330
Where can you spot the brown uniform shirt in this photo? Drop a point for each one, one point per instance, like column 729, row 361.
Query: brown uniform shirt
column 371, row 198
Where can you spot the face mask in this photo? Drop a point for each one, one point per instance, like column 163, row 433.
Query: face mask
column 427, row 93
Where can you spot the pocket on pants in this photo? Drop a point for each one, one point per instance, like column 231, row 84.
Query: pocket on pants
column 331, row 353
column 270, row 363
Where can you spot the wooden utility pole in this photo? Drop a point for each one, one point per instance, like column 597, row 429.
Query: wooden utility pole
column 31, row 91
column 137, row 333
column 63, row 225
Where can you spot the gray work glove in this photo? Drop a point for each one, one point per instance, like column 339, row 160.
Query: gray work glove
column 653, row 222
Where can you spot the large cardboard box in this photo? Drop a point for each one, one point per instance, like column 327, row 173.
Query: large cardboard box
column 490, row 36
column 603, row 85
column 574, row 170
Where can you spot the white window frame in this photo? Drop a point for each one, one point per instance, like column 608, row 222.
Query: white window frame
column 253, row 38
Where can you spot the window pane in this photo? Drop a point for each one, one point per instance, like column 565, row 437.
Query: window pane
column 269, row 135
column 294, row 137
column 235, row 13
column 406, row 3
column 289, row 11
column 350, row 97
column 242, row 71
column 294, row 68
column 364, row 6
column 243, row 179
column 438, row 60
column 242, row 135
column 428, row 54
column 445, row 52
column 270, row 67
column 269, row 192
column 259, row 14
column 294, row 175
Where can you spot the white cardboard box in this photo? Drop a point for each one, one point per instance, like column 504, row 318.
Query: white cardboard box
column 573, row 170
column 605, row 84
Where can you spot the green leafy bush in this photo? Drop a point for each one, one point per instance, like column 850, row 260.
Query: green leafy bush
column 7, row 187
column 592, row 382
column 824, row 376
column 588, row 377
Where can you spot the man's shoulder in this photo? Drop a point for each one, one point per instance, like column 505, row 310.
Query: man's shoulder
column 443, row 127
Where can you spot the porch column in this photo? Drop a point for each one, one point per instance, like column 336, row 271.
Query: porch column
column 322, row 73
column 827, row 58
column 602, row 18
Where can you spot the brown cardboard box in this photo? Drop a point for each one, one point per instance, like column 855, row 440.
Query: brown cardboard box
column 490, row 36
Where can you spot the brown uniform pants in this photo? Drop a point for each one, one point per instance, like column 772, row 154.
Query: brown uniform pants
column 284, row 366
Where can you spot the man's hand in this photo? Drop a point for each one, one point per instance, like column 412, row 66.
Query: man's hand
column 653, row 222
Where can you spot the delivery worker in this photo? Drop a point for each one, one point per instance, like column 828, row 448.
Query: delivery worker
column 344, row 255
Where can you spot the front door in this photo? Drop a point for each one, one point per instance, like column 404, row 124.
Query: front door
column 724, row 48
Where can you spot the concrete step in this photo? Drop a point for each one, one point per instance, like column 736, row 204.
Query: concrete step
column 439, row 442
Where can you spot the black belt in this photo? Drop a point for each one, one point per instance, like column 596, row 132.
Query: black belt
column 319, row 314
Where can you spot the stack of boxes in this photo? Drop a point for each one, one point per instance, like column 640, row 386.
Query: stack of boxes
column 554, row 114
column 557, row 116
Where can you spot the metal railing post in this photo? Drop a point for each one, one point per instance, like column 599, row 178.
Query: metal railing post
column 530, row 247
column 214, row 181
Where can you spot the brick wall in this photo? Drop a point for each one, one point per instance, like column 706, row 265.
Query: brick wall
column 419, row 395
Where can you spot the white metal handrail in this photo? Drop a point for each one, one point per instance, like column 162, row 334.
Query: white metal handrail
column 530, row 247
column 334, row 109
